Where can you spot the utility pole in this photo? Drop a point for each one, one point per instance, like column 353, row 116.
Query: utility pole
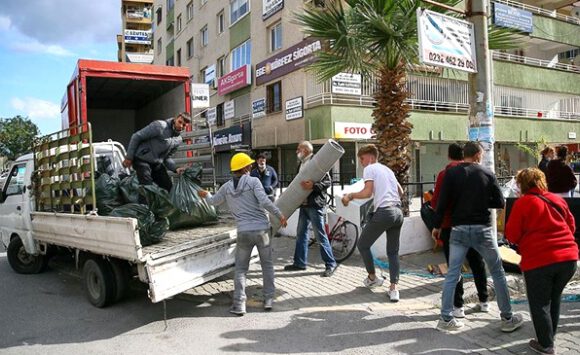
column 481, row 117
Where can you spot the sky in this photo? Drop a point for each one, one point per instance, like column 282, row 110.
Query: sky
column 40, row 44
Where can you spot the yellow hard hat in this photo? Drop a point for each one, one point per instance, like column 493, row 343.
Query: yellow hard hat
column 240, row 161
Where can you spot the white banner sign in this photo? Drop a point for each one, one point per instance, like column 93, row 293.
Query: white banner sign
column 211, row 115
column 346, row 83
column 229, row 110
column 446, row 41
column 353, row 130
column 294, row 108
column 209, row 74
column 270, row 7
column 199, row 95
column 140, row 58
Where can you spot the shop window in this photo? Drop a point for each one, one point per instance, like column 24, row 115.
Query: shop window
column 274, row 97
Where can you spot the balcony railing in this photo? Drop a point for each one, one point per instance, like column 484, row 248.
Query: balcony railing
column 540, row 11
column 536, row 62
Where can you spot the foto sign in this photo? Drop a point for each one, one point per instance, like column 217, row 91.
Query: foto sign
column 294, row 108
column 446, row 41
column 346, row 83
column 270, row 7
column 235, row 80
column 353, row 130
column 259, row 108
column 199, row 95
column 510, row 17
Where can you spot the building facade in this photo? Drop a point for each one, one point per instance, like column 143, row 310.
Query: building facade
column 253, row 56
column 135, row 40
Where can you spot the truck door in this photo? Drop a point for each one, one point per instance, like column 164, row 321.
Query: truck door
column 12, row 204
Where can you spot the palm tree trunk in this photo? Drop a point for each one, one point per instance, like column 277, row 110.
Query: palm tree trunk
column 391, row 125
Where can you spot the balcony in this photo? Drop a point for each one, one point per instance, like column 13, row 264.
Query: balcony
column 535, row 62
column 139, row 15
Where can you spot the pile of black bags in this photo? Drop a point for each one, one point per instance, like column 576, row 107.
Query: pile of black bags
column 180, row 208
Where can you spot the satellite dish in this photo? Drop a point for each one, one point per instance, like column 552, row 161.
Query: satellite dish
column 575, row 11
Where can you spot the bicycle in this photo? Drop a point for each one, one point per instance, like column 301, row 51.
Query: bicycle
column 343, row 238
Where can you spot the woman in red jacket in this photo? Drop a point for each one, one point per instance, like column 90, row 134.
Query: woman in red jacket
column 542, row 226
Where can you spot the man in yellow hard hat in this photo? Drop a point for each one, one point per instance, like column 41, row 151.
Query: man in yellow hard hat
column 248, row 203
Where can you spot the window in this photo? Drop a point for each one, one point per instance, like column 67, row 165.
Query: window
column 204, row 36
column 159, row 46
column 170, row 4
column 170, row 62
column 276, row 37
column 221, row 22
column 219, row 113
column 242, row 55
column 190, row 48
column 178, row 55
column 274, row 97
column 178, row 23
column 15, row 183
column 159, row 15
column 221, row 67
column 190, row 10
column 238, row 8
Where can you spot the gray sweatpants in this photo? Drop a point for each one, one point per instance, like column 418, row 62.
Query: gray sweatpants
column 389, row 220
column 244, row 245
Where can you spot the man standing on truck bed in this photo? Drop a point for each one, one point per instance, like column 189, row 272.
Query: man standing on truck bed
column 248, row 203
column 151, row 148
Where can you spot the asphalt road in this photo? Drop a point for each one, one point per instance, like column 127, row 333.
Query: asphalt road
column 48, row 314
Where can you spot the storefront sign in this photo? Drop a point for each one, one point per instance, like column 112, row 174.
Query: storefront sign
column 199, row 95
column 209, row 74
column 235, row 80
column 353, row 130
column 446, row 41
column 226, row 139
column 511, row 17
column 294, row 108
column 287, row 61
column 143, row 58
column 229, row 110
column 270, row 7
column 259, row 108
column 348, row 84
column 211, row 115
column 138, row 36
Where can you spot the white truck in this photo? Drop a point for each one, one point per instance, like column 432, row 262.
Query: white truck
column 107, row 249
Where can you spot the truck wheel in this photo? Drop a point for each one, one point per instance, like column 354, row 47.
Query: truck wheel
column 99, row 282
column 122, row 275
column 21, row 261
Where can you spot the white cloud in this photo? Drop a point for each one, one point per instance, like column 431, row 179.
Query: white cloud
column 37, row 47
column 36, row 108
column 4, row 23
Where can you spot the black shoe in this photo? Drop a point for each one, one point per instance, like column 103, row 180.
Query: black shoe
column 329, row 271
column 293, row 267
column 537, row 347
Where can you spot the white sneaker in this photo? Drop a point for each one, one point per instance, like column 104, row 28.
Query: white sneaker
column 458, row 312
column 483, row 307
column 378, row 281
column 451, row 325
column 394, row 295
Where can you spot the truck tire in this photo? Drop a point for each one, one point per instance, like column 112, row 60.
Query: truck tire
column 99, row 282
column 21, row 261
column 122, row 275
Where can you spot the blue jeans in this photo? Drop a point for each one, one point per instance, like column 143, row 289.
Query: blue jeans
column 480, row 238
column 315, row 216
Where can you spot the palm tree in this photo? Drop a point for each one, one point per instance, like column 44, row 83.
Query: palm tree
column 376, row 37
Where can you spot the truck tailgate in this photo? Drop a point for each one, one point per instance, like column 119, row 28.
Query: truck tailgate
column 188, row 258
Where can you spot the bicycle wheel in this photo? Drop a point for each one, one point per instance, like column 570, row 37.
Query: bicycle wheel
column 344, row 240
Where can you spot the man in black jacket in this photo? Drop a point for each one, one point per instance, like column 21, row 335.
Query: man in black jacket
column 312, row 212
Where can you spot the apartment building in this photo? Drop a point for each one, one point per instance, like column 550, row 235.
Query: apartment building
column 134, row 42
column 253, row 56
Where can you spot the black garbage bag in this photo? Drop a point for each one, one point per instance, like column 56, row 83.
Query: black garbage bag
column 129, row 188
column 192, row 210
column 151, row 231
column 107, row 194
column 158, row 200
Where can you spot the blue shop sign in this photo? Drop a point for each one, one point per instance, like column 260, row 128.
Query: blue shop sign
column 511, row 17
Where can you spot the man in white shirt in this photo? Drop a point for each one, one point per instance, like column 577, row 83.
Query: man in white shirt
column 387, row 217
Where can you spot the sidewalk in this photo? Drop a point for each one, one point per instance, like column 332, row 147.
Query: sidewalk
column 420, row 298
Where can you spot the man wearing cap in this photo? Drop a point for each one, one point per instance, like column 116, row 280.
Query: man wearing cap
column 150, row 150
column 248, row 203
